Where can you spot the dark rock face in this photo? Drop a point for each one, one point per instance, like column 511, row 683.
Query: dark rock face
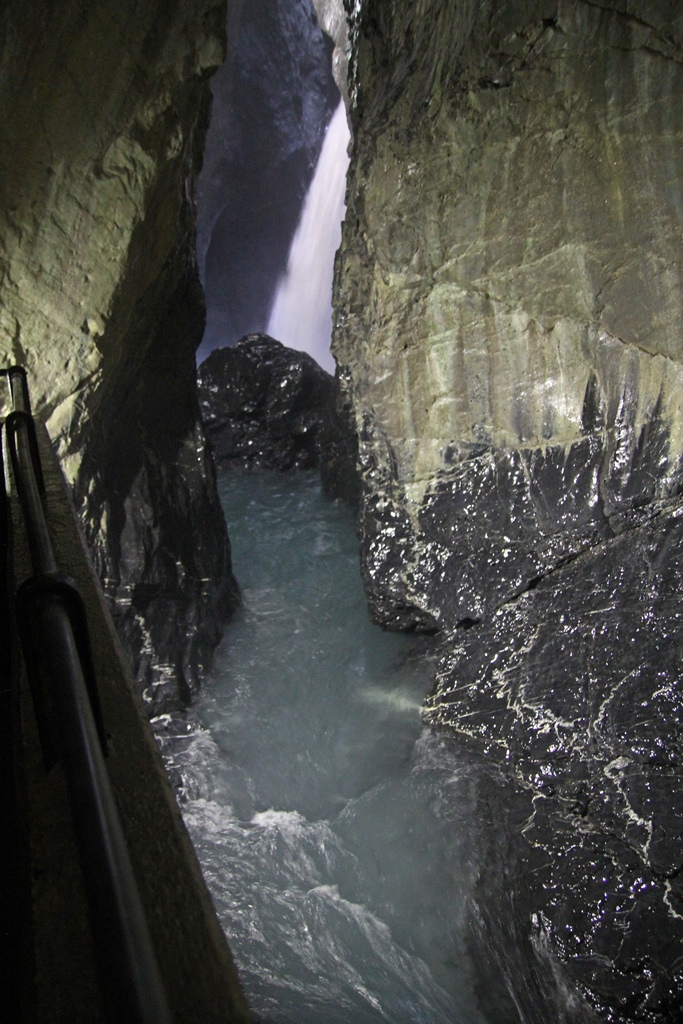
column 273, row 99
column 495, row 520
column 338, row 451
column 509, row 345
column 576, row 684
column 150, row 509
column 262, row 403
column 266, row 404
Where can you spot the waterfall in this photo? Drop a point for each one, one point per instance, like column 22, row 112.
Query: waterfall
column 301, row 316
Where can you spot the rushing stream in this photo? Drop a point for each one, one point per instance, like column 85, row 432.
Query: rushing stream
column 335, row 833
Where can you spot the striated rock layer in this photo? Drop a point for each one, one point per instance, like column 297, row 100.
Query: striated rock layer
column 508, row 310
column 104, row 112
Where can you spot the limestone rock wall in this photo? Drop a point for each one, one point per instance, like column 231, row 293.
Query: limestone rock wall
column 104, row 112
column 517, row 222
column 264, row 404
column 508, row 311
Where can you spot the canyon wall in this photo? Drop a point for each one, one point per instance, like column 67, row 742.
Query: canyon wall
column 508, row 309
column 508, row 302
column 104, row 114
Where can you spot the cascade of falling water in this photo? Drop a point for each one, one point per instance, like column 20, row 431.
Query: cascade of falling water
column 301, row 316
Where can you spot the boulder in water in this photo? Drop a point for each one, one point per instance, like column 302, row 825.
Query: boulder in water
column 273, row 406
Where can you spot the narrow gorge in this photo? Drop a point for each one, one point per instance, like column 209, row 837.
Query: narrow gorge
column 507, row 337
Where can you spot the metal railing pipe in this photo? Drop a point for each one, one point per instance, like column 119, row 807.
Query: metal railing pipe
column 21, row 435
column 126, row 962
column 56, row 653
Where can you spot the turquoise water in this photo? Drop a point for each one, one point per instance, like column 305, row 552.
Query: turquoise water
column 335, row 834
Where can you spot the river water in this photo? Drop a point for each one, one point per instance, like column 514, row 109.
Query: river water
column 336, row 835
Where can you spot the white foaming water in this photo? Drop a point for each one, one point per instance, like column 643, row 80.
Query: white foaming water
column 336, row 836
column 301, row 316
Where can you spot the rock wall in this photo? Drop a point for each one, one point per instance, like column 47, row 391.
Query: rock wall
column 508, row 303
column 104, row 113
column 508, row 308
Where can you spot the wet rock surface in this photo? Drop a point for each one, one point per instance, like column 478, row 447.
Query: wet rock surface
column 506, row 336
column 576, row 685
column 262, row 402
column 498, row 519
column 273, row 406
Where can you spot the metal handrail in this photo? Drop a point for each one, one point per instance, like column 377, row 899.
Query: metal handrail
column 53, row 631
